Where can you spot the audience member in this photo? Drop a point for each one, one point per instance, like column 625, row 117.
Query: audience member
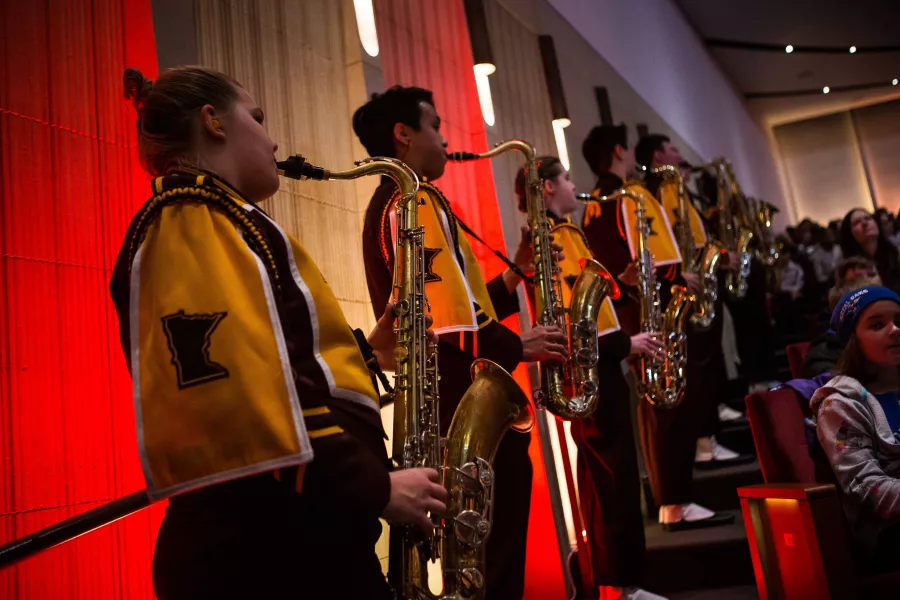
column 858, row 415
column 861, row 236
column 825, row 350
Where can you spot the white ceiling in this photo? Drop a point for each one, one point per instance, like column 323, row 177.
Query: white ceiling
column 802, row 23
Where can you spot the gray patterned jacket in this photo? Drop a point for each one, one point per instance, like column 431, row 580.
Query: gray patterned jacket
column 864, row 453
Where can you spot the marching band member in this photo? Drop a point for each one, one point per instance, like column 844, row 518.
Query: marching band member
column 668, row 436
column 609, row 487
column 707, row 382
column 403, row 123
column 256, row 414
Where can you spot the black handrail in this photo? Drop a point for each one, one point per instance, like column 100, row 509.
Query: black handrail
column 70, row 529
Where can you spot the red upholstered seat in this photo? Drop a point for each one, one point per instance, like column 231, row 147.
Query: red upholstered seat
column 789, row 455
column 796, row 355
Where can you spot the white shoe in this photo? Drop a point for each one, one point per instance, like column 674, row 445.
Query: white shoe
column 627, row 593
column 726, row 413
column 694, row 512
column 720, row 452
column 636, row 593
column 762, row 386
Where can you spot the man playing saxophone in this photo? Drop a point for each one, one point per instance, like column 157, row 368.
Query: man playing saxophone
column 666, row 435
column 608, row 478
column 707, row 381
column 403, row 123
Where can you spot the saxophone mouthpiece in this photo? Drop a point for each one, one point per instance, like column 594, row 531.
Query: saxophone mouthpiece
column 462, row 156
column 296, row 167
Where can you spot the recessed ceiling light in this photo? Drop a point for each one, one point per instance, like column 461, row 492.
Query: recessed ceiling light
column 852, row 49
column 826, row 89
column 788, row 48
column 894, row 82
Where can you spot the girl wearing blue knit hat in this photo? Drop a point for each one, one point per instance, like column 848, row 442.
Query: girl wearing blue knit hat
column 858, row 419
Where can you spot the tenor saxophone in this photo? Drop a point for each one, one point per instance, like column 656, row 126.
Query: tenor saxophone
column 492, row 404
column 663, row 379
column 707, row 266
column 569, row 390
column 728, row 196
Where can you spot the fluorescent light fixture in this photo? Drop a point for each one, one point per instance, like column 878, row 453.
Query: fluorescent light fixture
column 482, row 70
column 788, row 48
column 365, row 23
column 852, row 49
column 561, row 149
column 826, row 89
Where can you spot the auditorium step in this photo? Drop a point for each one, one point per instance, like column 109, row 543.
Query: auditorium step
column 716, row 489
column 711, row 557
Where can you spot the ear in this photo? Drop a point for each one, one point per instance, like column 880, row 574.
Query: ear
column 401, row 135
column 618, row 152
column 210, row 123
column 548, row 187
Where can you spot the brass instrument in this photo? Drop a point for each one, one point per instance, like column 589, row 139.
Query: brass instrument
column 706, row 268
column 761, row 213
column 492, row 404
column 663, row 380
column 729, row 196
column 569, row 390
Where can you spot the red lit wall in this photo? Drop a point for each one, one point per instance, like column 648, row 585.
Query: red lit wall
column 69, row 184
column 426, row 43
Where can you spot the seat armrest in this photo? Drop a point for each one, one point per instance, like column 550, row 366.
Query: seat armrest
column 788, row 491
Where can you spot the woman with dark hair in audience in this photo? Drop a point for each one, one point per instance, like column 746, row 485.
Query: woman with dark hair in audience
column 861, row 236
column 858, row 417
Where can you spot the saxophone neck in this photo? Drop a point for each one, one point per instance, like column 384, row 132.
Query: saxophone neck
column 296, row 167
column 526, row 148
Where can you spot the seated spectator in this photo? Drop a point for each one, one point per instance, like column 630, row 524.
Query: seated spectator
column 824, row 255
column 887, row 223
column 854, row 267
column 825, row 350
column 861, row 236
column 857, row 416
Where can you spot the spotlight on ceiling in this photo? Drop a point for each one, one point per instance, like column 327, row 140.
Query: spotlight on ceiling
column 894, row 82
column 852, row 49
column 788, row 48
column 826, row 89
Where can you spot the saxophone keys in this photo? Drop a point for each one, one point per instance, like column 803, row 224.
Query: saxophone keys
column 470, row 528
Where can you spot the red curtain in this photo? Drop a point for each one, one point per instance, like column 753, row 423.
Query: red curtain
column 426, row 43
column 70, row 183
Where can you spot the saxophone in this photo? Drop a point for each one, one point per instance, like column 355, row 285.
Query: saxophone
column 762, row 213
column 570, row 390
column 728, row 194
column 663, row 380
column 492, row 404
column 706, row 268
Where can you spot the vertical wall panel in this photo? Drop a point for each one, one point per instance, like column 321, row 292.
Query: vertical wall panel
column 878, row 132
column 69, row 184
column 290, row 55
column 823, row 167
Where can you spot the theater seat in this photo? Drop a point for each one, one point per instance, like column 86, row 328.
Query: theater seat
column 799, row 540
column 796, row 355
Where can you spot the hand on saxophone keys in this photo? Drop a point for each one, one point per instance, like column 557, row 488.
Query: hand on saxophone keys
column 693, row 282
column 545, row 343
column 415, row 493
column 630, row 276
column 648, row 343
column 383, row 338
